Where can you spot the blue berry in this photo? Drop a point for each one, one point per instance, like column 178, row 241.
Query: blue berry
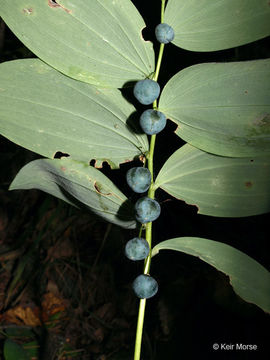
column 145, row 286
column 137, row 249
column 146, row 91
column 147, row 210
column 139, row 179
column 164, row 33
column 152, row 121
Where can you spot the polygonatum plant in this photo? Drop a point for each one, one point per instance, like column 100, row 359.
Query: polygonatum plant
column 70, row 100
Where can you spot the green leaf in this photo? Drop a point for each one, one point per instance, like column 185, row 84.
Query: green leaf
column 249, row 279
column 218, row 186
column 98, row 42
column 222, row 108
column 14, row 351
column 78, row 184
column 32, row 349
column 46, row 112
column 208, row 25
column 18, row 331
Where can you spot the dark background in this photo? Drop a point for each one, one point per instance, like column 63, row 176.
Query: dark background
column 195, row 306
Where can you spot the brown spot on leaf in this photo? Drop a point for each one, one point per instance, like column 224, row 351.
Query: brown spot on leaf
column 54, row 4
column 28, row 11
column 63, row 168
column 248, row 184
column 142, row 158
column 260, row 125
column 246, row 92
column 262, row 120
column 98, row 188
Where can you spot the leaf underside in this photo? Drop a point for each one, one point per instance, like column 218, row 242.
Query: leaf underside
column 78, row 184
column 249, row 279
column 218, row 186
column 222, row 108
column 208, row 25
column 98, row 42
column 47, row 112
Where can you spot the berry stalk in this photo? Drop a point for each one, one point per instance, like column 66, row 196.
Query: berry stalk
column 161, row 48
column 151, row 194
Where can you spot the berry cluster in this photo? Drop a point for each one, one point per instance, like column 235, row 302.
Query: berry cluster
column 139, row 179
column 146, row 210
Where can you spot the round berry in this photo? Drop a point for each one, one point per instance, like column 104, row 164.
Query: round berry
column 164, row 33
column 139, row 179
column 137, row 249
column 152, row 121
column 145, row 286
column 146, row 91
column 146, row 210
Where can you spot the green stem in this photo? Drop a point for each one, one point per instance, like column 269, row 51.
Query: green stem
column 147, row 263
column 151, row 194
column 162, row 10
column 161, row 50
column 151, row 164
column 148, row 237
column 138, row 344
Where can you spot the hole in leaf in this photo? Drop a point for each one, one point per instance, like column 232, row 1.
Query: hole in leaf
column 53, row 3
column 59, row 155
column 148, row 34
column 101, row 164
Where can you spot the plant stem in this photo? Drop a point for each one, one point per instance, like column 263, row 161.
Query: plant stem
column 162, row 10
column 151, row 164
column 138, row 344
column 161, row 50
column 148, row 237
column 151, row 194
